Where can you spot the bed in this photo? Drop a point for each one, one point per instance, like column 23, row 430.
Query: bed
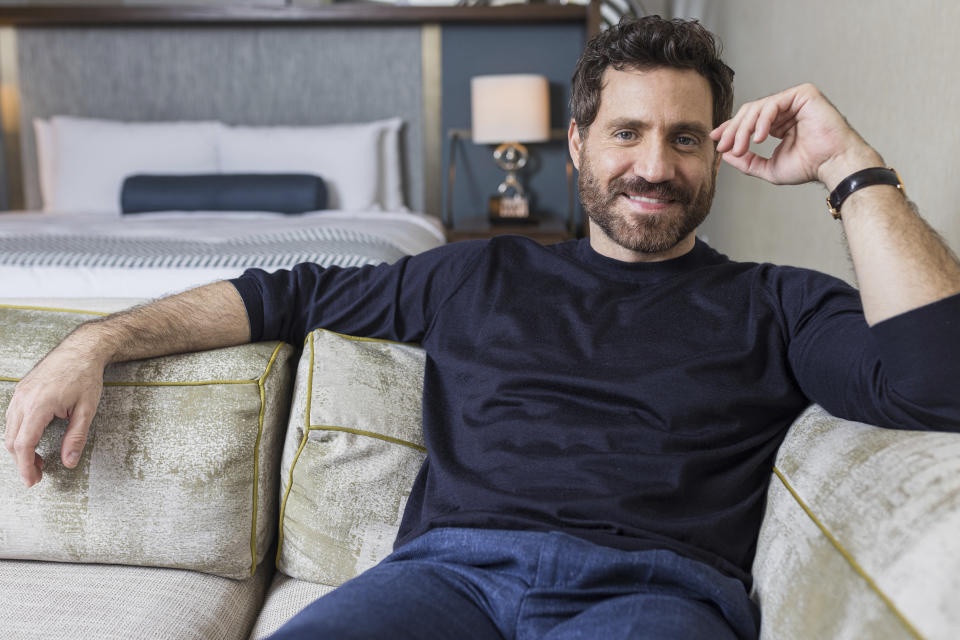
column 105, row 229
column 76, row 255
column 344, row 102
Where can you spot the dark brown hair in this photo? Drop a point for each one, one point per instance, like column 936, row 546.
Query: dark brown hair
column 648, row 43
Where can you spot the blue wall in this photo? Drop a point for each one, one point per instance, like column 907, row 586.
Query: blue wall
column 470, row 50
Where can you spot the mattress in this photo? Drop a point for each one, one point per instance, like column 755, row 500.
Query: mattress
column 156, row 254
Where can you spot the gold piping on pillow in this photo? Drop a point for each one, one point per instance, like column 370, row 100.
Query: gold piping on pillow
column 303, row 443
column 369, row 434
column 29, row 308
column 261, row 384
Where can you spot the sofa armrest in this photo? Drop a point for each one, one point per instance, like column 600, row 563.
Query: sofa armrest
column 860, row 535
column 181, row 467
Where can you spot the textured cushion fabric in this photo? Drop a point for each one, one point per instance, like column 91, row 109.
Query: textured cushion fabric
column 860, row 536
column 181, row 466
column 41, row 600
column 286, row 598
column 347, row 156
column 278, row 192
column 353, row 448
column 92, row 157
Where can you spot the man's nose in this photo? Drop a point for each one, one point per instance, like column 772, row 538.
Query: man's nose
column 654, row 161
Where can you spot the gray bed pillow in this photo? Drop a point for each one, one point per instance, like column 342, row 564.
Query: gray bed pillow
column 180, row 468
column 353, row 448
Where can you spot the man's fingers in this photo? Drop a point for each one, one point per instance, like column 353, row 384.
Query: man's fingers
column 717, row 133
column 766, row 122
column 25, row 447
column 75, row 437
column 750, row 164
column 748, row 127
column 729, row 130
column 757, row 119
column 13, row 417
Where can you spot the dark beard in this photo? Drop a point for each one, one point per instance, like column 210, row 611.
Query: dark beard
column 653, row 233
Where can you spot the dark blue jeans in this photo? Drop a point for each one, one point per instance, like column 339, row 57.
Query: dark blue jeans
column 456, row 584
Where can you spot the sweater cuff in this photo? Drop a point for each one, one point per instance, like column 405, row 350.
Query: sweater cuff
column 921, row 346
column 249, row 290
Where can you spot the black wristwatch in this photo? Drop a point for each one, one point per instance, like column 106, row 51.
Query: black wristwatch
column 859, row 180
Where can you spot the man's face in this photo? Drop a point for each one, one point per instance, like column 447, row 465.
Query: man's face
column 647, row 166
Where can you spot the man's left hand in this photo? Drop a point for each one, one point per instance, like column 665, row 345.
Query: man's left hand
column 817, row 143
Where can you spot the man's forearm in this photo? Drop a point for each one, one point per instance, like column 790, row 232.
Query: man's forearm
column 900, row 261
column 208, row 317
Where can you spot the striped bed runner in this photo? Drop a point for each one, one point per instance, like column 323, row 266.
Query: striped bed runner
column 323, row 245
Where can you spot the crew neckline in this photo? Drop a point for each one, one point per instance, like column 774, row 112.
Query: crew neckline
column 699, row 256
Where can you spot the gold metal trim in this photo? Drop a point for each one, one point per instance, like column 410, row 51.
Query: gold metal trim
column 10, row 118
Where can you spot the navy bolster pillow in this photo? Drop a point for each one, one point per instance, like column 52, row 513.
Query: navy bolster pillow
column 280, row 192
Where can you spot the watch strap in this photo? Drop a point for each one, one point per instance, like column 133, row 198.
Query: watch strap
column 859, row 180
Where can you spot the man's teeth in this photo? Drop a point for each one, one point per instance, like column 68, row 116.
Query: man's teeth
column 647, row 200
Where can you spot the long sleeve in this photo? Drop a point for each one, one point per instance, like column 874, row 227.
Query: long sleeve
column 901, row 373
column 392, row 302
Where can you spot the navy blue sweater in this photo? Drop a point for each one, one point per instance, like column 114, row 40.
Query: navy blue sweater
column 634, row 405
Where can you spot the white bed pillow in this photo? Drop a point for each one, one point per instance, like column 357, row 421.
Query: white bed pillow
column 92, row 157
column 46, row 169
column 349, row 157
column 391, row 182
column 97, row 154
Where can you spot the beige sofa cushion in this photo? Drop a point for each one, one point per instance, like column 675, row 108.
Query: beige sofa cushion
column 286, row 598
column 353, row 448
column 861, row 537
column 181, row 466
column 43, row 600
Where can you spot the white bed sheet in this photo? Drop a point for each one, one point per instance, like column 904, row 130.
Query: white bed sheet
column 409, row 232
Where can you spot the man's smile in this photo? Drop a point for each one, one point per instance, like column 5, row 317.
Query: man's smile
column 647, row 203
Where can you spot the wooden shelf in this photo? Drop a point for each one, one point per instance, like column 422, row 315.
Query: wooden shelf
column 341, row 13
column 480, row 228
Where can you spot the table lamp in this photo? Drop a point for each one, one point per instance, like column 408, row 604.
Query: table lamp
column 506, row 110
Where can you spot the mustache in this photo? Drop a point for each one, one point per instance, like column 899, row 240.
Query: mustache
column 661, row 190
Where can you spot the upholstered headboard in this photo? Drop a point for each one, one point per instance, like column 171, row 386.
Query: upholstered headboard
column 244, row 75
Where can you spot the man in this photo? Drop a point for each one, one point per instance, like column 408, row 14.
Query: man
column 601, row 415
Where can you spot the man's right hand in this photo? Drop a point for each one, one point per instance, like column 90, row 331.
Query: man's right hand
column 67, row 383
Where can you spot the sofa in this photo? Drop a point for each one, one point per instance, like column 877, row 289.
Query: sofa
column 221, row 492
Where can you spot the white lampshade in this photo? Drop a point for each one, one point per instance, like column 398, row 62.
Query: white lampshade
column 510, row 108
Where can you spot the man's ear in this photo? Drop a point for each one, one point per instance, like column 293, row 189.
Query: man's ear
column 574, row 142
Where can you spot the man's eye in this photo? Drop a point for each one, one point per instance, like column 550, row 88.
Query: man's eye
column 687, row 141
column 624, row 135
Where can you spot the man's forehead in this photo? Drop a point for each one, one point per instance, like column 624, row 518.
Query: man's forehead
column 683, row 93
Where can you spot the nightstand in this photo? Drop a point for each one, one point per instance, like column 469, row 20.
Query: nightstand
column 546, row 232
